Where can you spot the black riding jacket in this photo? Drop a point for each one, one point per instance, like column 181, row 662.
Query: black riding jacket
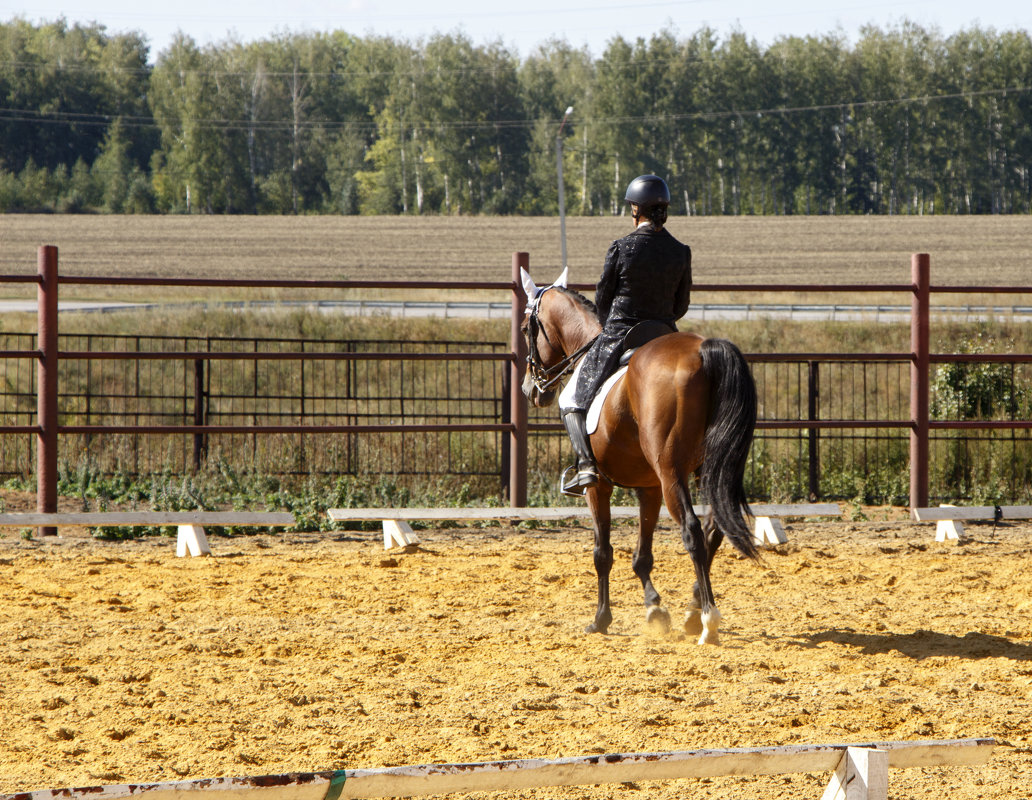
column 647, row 276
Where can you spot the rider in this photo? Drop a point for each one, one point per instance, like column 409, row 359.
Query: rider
column 647, row 276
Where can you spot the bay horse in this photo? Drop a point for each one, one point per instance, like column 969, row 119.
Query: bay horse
column 686, row 405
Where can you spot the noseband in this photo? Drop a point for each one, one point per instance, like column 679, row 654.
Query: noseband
column 545, row 378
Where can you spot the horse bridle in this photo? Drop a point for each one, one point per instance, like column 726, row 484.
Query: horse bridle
column 545, row 378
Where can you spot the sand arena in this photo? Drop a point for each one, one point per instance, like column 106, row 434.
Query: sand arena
column 298, row 652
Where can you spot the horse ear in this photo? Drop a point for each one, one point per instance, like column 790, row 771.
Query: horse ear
column 528, row 284
column 562, row 279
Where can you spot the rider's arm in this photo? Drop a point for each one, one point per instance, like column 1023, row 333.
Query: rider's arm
column 605, row 290
column 683, row 296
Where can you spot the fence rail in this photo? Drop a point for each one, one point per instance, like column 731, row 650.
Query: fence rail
column 292, row 397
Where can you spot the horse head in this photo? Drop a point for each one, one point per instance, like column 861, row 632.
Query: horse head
column 552, row 351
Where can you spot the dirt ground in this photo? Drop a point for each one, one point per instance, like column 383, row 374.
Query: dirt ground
column 296, row 652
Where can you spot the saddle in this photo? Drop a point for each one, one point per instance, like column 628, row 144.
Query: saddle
column 642, row 333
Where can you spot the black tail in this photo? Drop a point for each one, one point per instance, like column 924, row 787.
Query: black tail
column 729, row 433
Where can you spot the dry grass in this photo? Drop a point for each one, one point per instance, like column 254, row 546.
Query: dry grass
column 964, row 250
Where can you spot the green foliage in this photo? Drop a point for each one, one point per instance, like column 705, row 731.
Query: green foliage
column 111, row 169
column 380, row 187
column 979, row 390
column 773, row 472
column 983, row 468
column 10, row 191
column 140, row 196
column 987, row 468
column 221, row 486
column 83, row 192
column 903, row 121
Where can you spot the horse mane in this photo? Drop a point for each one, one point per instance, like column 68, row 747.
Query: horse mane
column 579, row 298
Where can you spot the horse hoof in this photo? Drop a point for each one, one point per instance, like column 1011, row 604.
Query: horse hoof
column 594, row 627
column 657, row 620
column 693, row 622
column 710, row 628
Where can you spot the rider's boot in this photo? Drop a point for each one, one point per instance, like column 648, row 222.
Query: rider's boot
column 585, row 474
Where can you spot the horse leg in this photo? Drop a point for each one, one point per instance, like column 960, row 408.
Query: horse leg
column 693, row 617
column 598, row 503
column 702, row 617
column 649, row 501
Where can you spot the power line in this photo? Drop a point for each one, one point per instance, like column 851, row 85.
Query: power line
column 365, row 124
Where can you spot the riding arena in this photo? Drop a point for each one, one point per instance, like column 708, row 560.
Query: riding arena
column 864, row 651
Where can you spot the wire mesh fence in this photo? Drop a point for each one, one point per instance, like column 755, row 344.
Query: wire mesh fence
column 786, row 463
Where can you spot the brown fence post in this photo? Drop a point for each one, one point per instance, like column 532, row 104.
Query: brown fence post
column 919, row 335
column 200, row 448
column 813, row 435
column 517, row 401
column 506, row 408
column 46, row 386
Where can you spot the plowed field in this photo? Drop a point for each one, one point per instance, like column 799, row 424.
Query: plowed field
column 964, row 250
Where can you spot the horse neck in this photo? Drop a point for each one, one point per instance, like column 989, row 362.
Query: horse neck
column 575, row 323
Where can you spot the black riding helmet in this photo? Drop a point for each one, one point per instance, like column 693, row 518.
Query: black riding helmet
column 647, row 191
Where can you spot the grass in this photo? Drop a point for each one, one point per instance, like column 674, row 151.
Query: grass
column 864, row 465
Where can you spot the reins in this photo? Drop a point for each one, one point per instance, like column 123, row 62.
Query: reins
column 546, row 377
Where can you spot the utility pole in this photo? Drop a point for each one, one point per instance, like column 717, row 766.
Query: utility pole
column 562, row 195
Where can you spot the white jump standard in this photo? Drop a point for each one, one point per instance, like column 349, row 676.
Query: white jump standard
column 947, row 518
column 190, row 539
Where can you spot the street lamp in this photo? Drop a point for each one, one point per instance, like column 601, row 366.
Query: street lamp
column 562, row 197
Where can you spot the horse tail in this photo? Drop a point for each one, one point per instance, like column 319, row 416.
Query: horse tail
column 729, row 433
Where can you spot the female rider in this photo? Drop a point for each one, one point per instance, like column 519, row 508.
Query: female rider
column 647, row 276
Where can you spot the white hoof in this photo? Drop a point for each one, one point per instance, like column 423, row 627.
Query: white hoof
column 710, row 628
column 657, row 620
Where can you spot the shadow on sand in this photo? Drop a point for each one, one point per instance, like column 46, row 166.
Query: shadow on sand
column 924, row 644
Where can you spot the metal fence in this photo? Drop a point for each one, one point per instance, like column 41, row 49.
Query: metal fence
column 211, row 393
column 830, row 425
column 109, row 395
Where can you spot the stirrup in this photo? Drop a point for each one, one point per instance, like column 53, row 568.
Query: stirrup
column 579, row 483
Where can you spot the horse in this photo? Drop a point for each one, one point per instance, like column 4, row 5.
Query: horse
column 685, row 407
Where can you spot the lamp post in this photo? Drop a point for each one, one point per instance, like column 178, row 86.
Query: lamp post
column 562, row 196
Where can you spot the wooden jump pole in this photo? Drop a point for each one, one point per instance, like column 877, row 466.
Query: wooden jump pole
column 919, row 345
column 517, row 401
column 46, row 386
column 860, row 773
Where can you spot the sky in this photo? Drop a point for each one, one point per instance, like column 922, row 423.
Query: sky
column 521, row 26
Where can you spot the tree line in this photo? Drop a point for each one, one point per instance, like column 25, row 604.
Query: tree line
column 904, row 120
